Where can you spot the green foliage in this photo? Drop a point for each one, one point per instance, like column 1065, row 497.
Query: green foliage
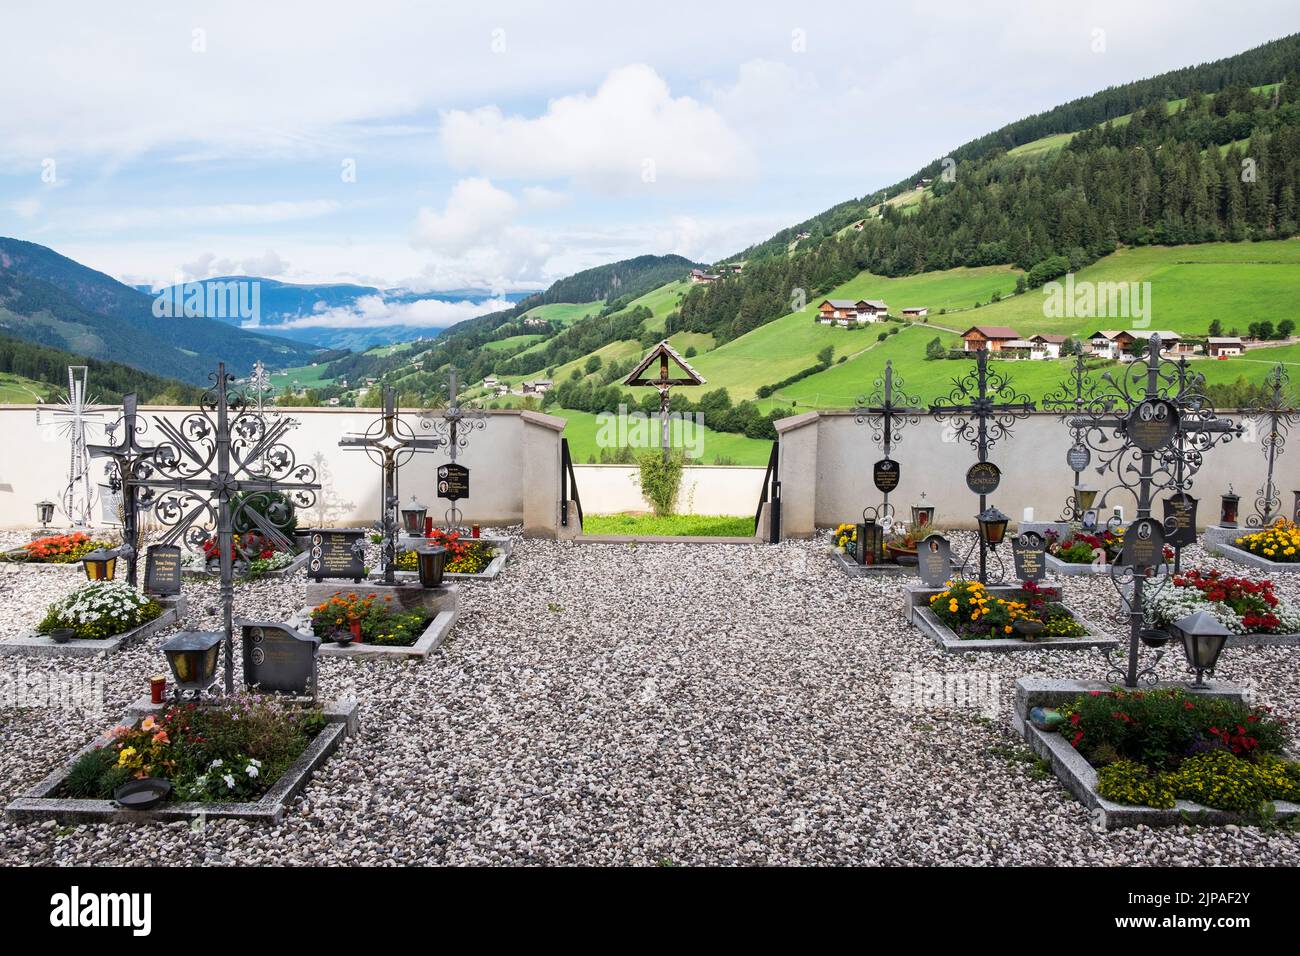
column 710, row 526
column 1215, row 779
column 111, row 380
column 934, row 349
column 660, row 480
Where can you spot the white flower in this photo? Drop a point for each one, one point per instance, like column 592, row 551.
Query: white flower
column 230, row 781
column 215, row 763
column 252, row 771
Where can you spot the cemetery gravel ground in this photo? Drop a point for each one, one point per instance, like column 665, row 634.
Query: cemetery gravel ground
column 616, row 704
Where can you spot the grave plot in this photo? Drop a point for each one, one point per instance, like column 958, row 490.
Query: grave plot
column 59, row 552
column 100, row 617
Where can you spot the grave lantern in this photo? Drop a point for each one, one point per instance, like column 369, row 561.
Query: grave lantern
column 100, row 564
column 993, row 526
column 1085, row 498
column 1203, row 638
column 45, row 513
column 871, row 541
column 192, row 656
column 1228, row 508
column 922, row 515
column 432, row 560
column 413, row 517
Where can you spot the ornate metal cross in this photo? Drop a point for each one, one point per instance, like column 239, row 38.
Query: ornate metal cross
column 128, row 459
column 390, row 443
column 221, row 465
column 983, row 406
column 886, row 411
column 72, row 418
column 1161, row 421
column 1274, row 419
column 455, row 421
column 1072, row 398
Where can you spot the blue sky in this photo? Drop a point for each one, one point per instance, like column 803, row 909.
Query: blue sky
column 500, row 145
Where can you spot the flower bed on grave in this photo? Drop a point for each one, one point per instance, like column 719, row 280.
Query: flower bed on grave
column 1080, row 547
column 1244, row 607
column 233, row 750
column 255, row 556
column 973, row 613
column 1279, row 542
column 899, row 546
column 464, row 555
column 369, row 619
column 57, row 549
column 1153, row 748
column 100, row 610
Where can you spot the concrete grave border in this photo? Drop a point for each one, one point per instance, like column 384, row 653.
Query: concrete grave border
column 917, row 612
column 39, row 645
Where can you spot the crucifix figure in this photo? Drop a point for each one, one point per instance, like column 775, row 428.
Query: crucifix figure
column 885, row 411
column 1274, row 419
column 389, row 443
column 1162, row 422
column 128, row 459
column 453, row 423
column 667, row 357
column 983, row 406
column 219, row 465
column 72, row 418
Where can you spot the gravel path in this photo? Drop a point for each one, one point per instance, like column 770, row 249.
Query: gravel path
column 641, row 704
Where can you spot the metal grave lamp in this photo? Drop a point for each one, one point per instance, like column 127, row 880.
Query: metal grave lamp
column 45, row 513
column 1085, row 498
column 871, row 540
column 1203, row 638
column 922, row 514
column 100, row 564
column 432, row 561
column 413, row 517
column 993, row 526
column 192, row 657
column 1228, row 508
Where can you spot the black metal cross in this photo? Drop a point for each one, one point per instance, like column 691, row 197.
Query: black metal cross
column 1071, row 398
column 886, row 411
column 128, row 458
column 220, row 464
column 983, row 406
column 455, row 421
column 390, row 443
column 1275, row 419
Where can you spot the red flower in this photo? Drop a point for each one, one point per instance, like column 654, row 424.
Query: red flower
column 1077, row 737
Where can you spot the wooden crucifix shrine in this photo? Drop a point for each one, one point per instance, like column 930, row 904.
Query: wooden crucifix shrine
column 666, row 356
column 389, row 442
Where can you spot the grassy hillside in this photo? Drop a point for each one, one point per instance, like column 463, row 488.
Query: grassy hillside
column 582, row 429
column 565, row 313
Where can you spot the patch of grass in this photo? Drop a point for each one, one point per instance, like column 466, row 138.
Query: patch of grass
column 712, row 526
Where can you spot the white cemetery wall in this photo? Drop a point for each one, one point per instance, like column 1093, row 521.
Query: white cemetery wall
column 826, row 460
column 706, row 490
column 514, row 467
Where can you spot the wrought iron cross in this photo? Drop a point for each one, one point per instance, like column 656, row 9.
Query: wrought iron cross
column 222, row 464
column 128, row 458
column 1071, row 398
column 886, row 411
column 72, row 418
column 455, row 421
column 983, row 406
column 390, row 443
column 1275, row 419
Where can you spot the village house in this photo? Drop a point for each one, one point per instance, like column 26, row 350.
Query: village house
column 915, row 312
column 490, row 381
column 699, row 275
column 540, row 387
column 991, row 337
column 1118, row 344
column 535, row 322
column 850, row 311
column 1046, row 346
column 1224, row 346
column 923, row 182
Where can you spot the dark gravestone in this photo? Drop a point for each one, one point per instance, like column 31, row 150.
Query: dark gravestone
column 1078, row 458
column 453, row 482
column 983, row 477
column 279, row 659
column 1152, row 424
column 337, row 554
column 885, row 474
column 1028, row 551
column 1144, row 545
column 1180, row 520
column 162, row 569
column 934, row 561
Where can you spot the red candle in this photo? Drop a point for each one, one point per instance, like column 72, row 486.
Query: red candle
column 428, row 527
column 157, row 688
column 474, row 531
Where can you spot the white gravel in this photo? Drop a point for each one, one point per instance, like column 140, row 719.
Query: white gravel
column 639, row 704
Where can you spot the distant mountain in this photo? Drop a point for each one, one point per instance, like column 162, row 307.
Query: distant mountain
column 52, row 300
column 281, row 307
column 108, row 381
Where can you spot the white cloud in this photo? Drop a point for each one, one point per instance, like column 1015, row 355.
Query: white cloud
column 208, row 264
column 26, row 208
column 476, row 212
column 374, row 311
column 630, row 136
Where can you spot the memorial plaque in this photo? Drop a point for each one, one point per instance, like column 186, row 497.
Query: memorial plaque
column 279, row 659
column 934, row 561
column 1144, row 545
column 1180, row 520
column 1029, row 551
column 453, row 482
column 162, row 569
column 1078, row 458
column 110, row 505
column 1152, row 424
column 1089, row 520
column 337, row 554
column 885, row 474
column 983, row 477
